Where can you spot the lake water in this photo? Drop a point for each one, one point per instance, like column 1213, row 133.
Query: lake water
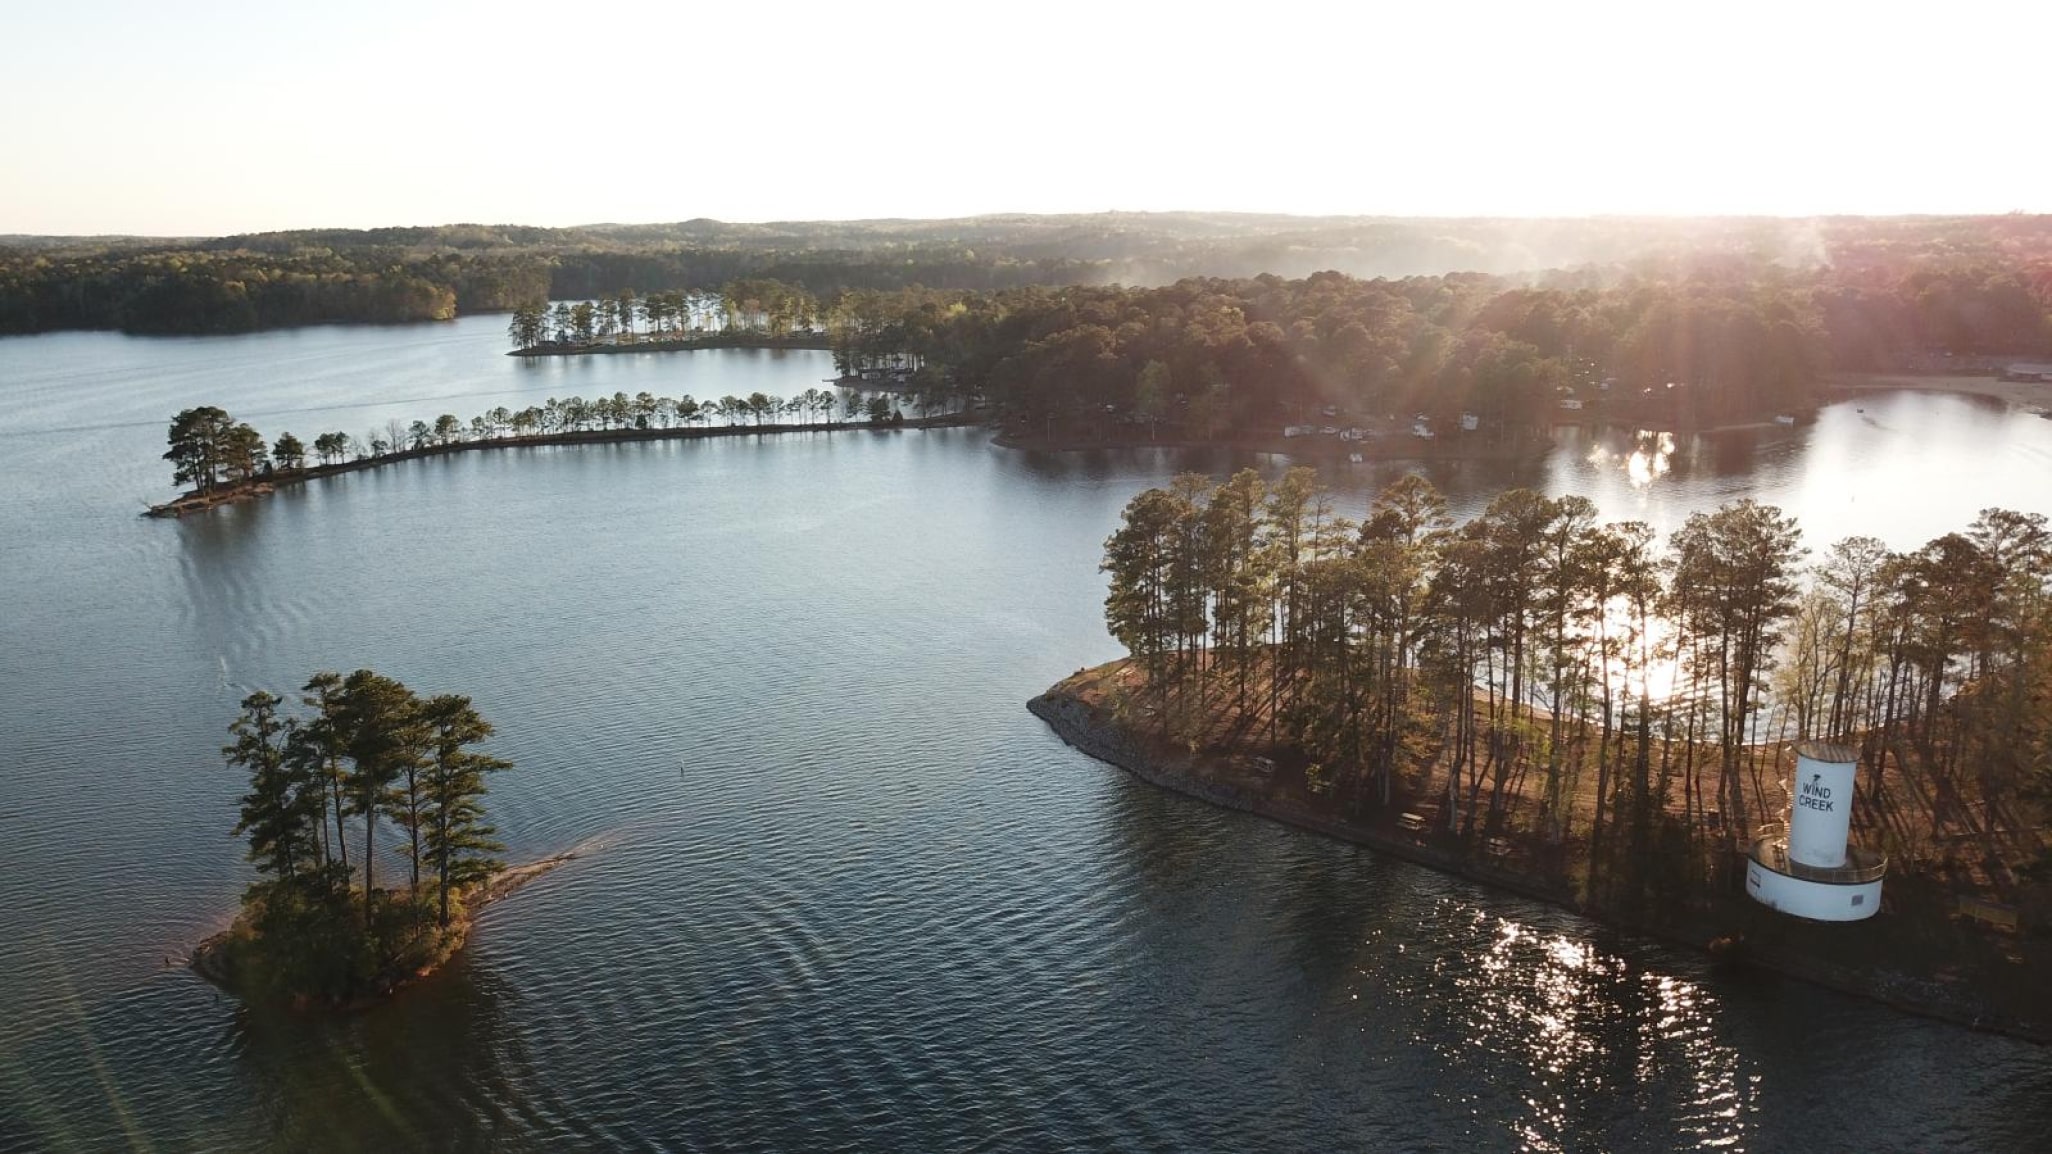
column 847, row 892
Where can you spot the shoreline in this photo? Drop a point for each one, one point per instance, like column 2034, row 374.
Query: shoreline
column 814, row 341
column 1733, row 930
column 1387, row 447
column 2034, row 395
column 1377, row 449
column 208, row 961
column 196, row 502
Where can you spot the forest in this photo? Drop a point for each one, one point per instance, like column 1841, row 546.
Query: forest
column 768, row 310
column 370, row 754
column 1614, row 698
column 1214, row 359
column 1207, row 360
column 249, row 282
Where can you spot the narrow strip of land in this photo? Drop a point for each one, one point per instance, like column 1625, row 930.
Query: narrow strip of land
column 263, row 484
column 818, row 341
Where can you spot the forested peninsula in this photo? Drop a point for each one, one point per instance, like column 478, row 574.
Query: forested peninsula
column 1581, row 712
column 225, row 460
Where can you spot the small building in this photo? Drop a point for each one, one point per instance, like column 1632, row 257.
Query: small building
column 1572, row 404
column 1470, row 422
column 1809, row 867
column 1298, row 430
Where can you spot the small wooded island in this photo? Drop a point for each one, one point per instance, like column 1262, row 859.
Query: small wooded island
column 1571, row 711
column 315, row 929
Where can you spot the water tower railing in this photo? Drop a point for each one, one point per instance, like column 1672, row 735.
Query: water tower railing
column 1770, row 849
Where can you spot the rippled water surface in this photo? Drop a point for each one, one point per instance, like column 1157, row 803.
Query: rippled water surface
column 847, row 892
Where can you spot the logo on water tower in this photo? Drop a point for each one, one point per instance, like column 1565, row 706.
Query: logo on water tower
column 1815, row 794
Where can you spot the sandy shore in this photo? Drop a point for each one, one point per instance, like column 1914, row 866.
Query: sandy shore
column 511, row 879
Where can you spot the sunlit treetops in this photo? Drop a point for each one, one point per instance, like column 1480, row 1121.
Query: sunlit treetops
column 1585, row 682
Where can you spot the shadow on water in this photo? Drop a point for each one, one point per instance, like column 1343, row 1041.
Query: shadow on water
column 220, row 562
column 1144, row 461
column 438, row 1068
column 1733, row 453
column 2026, row 1105
column 1160, row 838
column 1338, row 967
column 425, row 1072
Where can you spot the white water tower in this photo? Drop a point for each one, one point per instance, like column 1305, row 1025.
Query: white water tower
column 1810, row 868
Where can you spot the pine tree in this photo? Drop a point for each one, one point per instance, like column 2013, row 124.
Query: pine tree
column 199, row 441
column 378, row 721
column 281, row 812
column 457, row 840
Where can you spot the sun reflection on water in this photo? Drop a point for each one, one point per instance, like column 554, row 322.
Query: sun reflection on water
column 1650, row 457
column 1599, row 1035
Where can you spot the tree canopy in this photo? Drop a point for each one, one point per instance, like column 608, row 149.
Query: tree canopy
column 1540, row 670
column 371, row 753
column 210, row 448
column 1947, row 282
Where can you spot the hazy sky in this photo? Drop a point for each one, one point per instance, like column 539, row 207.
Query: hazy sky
column 155, row 116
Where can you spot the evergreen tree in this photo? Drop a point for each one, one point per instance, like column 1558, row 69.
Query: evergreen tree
column 242, row 454
column 528, row 327
column 289, row 452
column 199, row 440
column 1139, row 557
column 1237, row 573
column 1734, row 586
column 281, row 812
column 317, row 746
column 378, row 720
column 456, row 838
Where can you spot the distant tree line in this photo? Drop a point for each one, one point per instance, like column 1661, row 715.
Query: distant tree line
column 196, row 290
column 1219, row 358
column 370, row 754
column 1537, row 653
column 1922, row 283
column 761, row 307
